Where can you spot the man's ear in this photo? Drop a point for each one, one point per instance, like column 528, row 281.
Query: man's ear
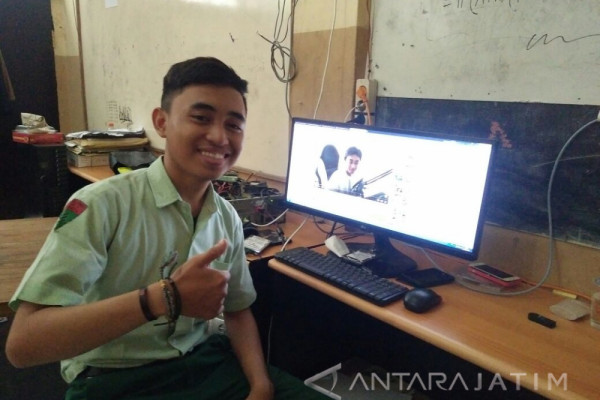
column 159, row 119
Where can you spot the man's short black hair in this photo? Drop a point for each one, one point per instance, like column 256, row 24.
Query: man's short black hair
column 199, row 71
column 353, row 151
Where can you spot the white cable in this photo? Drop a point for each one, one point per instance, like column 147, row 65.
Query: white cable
column 327, row 59
column 273, row 221
column 293, row 233
column 348, row 114
column 550, row 227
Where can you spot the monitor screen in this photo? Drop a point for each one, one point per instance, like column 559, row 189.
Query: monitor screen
column 426, row 189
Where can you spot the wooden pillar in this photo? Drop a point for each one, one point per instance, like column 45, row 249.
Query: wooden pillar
column 333, row 78
column 67, row 59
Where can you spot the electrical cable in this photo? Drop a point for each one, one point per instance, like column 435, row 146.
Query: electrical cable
column 361, row 92
column 272, row 221
column 282, row 55
column 318, row 226
column 293, row 234
column 550, row 227
column 349, row 112
column 282, row 73
column 371, row 14
column 327, row 59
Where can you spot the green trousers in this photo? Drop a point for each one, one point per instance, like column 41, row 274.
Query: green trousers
column 211, row 371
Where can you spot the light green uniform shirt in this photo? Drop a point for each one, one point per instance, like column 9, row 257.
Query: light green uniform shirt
column 112, row 238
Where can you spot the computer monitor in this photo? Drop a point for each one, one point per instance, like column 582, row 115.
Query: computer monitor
column 426, row 189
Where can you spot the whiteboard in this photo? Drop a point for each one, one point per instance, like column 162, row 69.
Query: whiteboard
column 128, row 46
column 495, row 50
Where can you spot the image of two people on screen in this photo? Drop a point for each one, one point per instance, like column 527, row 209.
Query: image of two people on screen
column 345, row 177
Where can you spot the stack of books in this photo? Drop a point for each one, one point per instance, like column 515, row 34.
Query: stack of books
column 93, row 148
column 31, row 135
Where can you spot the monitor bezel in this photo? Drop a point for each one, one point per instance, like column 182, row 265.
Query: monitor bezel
column 377, row 230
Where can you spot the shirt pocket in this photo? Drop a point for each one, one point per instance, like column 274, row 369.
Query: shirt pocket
column 220, row 265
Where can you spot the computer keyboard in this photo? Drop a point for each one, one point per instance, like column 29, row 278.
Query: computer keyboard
column 346, row 276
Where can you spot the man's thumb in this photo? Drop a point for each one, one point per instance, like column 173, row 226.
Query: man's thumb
column 212, row 254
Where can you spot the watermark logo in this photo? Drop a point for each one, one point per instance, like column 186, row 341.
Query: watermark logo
column 326, row 382
column 310, row 382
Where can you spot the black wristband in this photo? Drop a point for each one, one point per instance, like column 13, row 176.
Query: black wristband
column 143, row 295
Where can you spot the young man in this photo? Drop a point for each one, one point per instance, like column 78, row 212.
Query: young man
column 136, row 265
column 344, row 180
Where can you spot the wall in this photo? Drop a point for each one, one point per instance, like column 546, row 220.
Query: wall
column 525, row 73
column 330, row 43
column 127, row 49
column 498, row 50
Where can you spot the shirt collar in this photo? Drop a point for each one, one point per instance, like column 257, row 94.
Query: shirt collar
column 165, row 192
column 163, row 189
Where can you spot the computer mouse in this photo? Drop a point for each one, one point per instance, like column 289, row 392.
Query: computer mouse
column 420, row 300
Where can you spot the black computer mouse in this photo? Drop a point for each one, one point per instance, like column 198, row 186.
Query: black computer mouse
column 420, row 300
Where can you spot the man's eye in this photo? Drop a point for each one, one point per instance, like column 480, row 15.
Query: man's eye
column 201, row 118
column 235, row 127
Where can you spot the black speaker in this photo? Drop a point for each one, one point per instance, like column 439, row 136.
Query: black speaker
column 45, row 179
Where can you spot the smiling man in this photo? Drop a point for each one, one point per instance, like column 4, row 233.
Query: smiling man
column 344, row 179
column 136, row 265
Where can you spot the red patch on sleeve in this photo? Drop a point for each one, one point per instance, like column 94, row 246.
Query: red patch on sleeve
column 71, row 211
column 76, row 206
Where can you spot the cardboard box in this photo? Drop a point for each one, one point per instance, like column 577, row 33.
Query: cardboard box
column 87, row 160
column 37, row 138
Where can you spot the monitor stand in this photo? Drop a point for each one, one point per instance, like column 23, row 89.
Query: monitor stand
column 389, row 261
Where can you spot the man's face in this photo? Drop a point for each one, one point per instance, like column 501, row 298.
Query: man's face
column 352, row 164
column 204, row 130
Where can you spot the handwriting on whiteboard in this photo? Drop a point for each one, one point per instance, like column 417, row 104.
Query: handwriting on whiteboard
column 544, row 39
column 474, row 6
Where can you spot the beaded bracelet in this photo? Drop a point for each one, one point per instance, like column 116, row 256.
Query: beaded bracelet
column 169, row 300
column 176, row 299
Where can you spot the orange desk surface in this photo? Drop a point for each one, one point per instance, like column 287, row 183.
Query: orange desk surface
column 92, row 174
column 494, row 333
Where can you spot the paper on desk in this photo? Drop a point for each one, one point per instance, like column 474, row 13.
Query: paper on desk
column 79, row 146
column 32, row 123
column 33, row 120
column 133, row 131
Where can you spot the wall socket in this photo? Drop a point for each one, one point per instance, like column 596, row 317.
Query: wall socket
column 365, row 88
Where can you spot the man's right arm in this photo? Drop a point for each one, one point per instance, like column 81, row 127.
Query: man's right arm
column 41, row 334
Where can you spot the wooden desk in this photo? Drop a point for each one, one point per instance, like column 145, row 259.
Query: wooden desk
column 92, row 174
column 23, row 238
column 307, row 236
column 494, row 333
column 21, row 241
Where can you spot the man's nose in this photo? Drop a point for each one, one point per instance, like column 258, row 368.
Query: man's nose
column 217, row 135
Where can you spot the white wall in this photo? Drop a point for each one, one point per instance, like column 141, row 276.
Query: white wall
column 511, row 50
column 128, row 48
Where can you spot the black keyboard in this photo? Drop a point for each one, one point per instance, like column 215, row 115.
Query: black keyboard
column 346, row 276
